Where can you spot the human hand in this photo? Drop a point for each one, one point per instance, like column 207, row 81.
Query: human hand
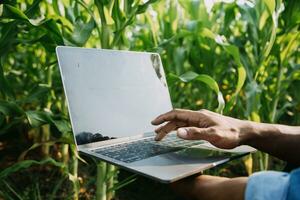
column 221, row 131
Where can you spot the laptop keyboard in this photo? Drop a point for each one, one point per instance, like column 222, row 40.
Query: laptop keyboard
column 145, row 148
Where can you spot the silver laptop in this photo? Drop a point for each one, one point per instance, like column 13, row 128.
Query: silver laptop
column 112, row 98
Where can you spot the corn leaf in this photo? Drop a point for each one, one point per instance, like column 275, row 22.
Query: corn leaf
column 209, row 81
column 28, row 163
column 82, row 31
column 9, row 108
column 10, row 12
column 38, row 118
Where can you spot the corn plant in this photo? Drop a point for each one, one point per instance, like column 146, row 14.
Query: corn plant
column 239, row 58
column 39, row 27
column 241, row 43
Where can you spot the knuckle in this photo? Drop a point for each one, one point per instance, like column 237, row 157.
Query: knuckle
column 175, row 110
column 191, row 129
column 212, row 130
column 203, row 110
column 202, row 113
column 191, row 134
column 194, row 131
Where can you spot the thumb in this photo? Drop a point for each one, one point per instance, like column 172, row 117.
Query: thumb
column 194, row 133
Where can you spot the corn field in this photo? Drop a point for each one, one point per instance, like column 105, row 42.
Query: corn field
column 237, row 57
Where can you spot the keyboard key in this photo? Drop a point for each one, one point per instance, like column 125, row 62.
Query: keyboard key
column 145, row 148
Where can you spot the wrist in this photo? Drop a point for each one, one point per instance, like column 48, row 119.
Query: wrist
column 247, row 132
column 253, row 132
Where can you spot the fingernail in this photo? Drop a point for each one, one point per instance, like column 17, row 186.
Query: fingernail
column 182, row 132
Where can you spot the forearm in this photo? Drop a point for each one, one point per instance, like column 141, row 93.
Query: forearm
column 228, row 189
column 278, row 140
column 207, row 187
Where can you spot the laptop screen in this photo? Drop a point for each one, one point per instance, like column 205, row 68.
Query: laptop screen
column 112, row 93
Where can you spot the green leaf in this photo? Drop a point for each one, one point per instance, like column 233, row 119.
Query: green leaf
column 103, row 2
column 28, row 163
column 33, row 8
column 191, row 7
column 34, row 146
column 11, row 12
column 9, row 30
column 62, row 125
column 69, row 14
column 221, row 102
column 270, row 5
column 291, row 14
column 117, row 15
column 9, row 108
column 2, row 120
column 38, row 144
column 48, row 43
column 172, row 79
column 294, row 89
column 128, row 6
column 38, row 118
column 209, row 81
column 188, row 76
column 12, row 123
column 123, row 183
column 74, row 150
column 5, row 87
column 56, row 7
column 205, row 32
column 253, row 92
column 82, row 31
column 51, row 26
column 35, row 94
column 142, row 8
column 8, row 35
column 234, row 52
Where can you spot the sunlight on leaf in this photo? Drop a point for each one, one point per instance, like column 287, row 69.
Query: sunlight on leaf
column 209, row 81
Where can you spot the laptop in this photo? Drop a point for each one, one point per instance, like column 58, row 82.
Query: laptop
column 112, row 97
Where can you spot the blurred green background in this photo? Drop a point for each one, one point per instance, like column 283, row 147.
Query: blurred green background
column 239, row 58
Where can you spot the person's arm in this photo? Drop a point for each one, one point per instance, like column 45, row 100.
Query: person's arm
column 266, row 185
column 279, row 140
column 226, row 132
column 206, row 187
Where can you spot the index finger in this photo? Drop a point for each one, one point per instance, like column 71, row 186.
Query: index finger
column 175, row 114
